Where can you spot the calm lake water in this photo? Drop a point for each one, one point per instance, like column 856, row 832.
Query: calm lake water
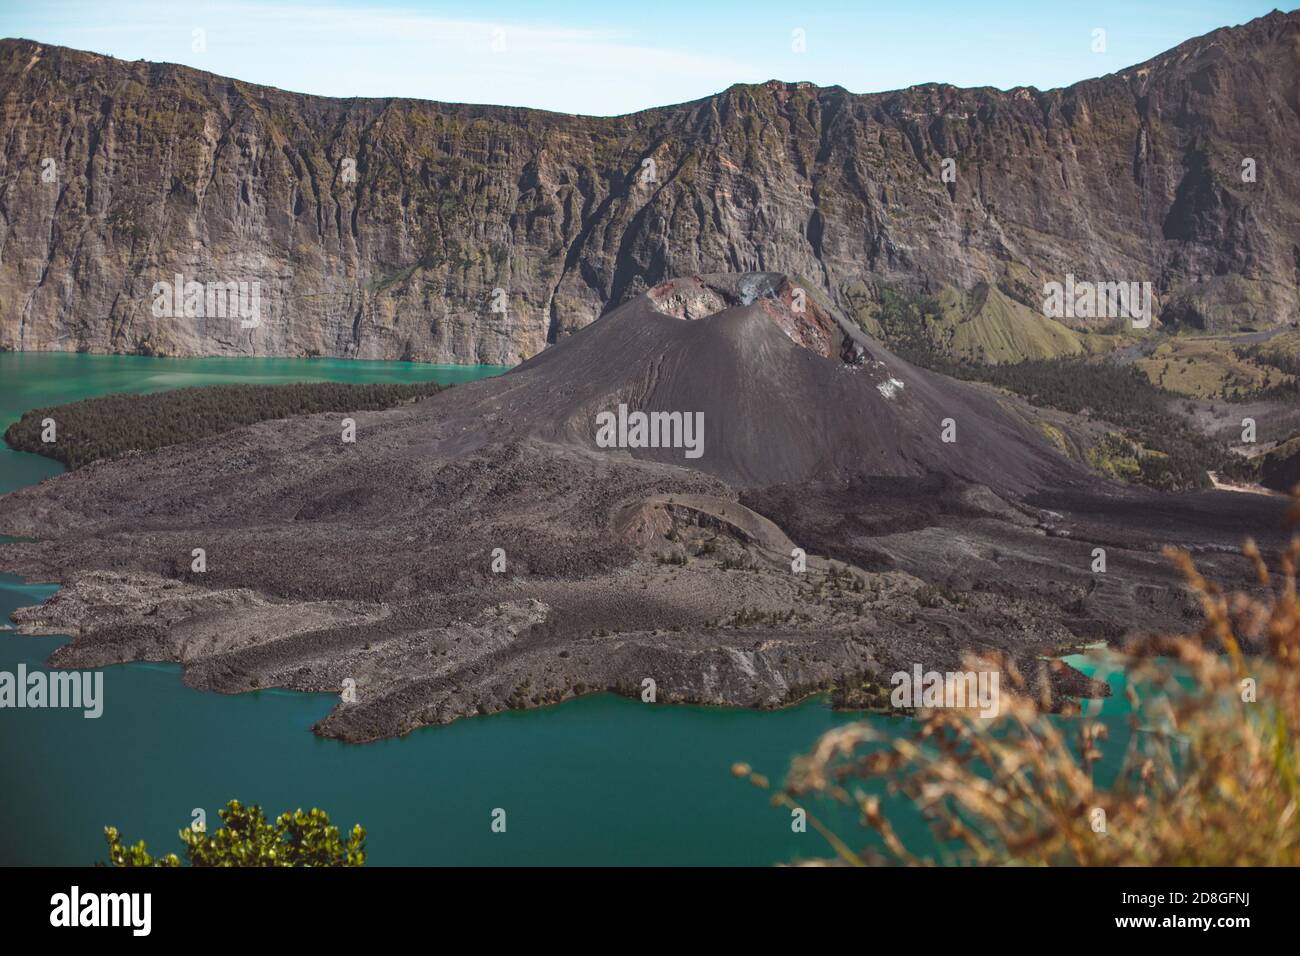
column 600, row 780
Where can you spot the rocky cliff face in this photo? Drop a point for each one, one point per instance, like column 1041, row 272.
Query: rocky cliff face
column 434, row 232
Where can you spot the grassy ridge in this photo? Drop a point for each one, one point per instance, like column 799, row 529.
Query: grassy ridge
column 1213, row 368
column 112, row 425
column 983, row 326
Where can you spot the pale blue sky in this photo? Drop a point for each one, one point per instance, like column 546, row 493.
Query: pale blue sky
column 615, row 56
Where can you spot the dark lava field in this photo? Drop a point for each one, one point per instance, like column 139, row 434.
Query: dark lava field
column 481, row 549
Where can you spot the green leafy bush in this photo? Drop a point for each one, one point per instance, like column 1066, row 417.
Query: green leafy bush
column 248, row 839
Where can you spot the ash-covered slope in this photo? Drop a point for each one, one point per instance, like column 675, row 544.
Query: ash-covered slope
column 382, row 228
column 785, row 388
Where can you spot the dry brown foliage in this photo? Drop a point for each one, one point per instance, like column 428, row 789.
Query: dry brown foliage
column 1208, row 775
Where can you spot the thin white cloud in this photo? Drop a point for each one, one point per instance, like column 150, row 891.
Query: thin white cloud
column 338, row 51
